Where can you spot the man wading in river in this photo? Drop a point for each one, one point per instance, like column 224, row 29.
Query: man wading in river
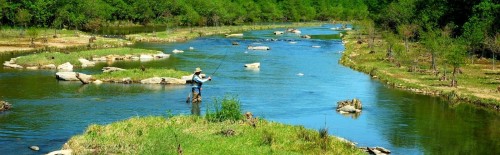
column 197, row 82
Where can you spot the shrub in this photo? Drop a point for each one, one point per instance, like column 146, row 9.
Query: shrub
column 227, row 108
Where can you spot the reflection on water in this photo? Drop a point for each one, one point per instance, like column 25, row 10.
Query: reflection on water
column 47, row 112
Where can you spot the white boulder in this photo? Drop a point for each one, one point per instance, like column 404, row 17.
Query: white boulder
column 32, row 68
column 66, row 76
column 177, row 51
column 161, row 55
column 145, row 57
column 253, row 65
column 235, row 35
column 258, row 48
column 65, row 67
column 12, row 65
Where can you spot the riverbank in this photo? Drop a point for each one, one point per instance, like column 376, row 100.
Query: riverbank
column 184, row 34
column 197, row 135
column 478, row 84
column 17, row 40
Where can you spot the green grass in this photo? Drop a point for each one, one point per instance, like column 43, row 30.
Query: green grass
column 45, row 58
column 474, row 85
column 137, row 74
column 7, row 33
column 196, row 135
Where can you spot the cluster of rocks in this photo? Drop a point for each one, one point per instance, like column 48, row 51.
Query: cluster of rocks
column 349, row 106
column 85, row 79
column 5, row 106
column 67, row 67
column 376, row 150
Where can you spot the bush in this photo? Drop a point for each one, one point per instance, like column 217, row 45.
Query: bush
column 227, row 108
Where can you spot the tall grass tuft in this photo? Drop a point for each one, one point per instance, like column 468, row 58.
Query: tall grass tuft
column 227, row 108
column 267, row 138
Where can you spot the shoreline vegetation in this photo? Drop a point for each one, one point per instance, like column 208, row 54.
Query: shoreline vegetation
column 97, row 55
column 223, row 130
column 477, row 84
column 70, row 40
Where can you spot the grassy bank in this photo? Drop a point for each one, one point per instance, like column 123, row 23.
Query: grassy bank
column 477, row 84
column 137, row 75
column 16, row 40
column 58, row 58
column 183, row 34
column 196, row 135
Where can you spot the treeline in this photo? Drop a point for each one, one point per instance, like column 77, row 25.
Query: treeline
column 85, row 14
column 450, row 33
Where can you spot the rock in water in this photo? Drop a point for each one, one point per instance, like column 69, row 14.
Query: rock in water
column 35, row 148
column 258, row 48
column 177, row 51
column 253, row 65
column 5, row 106
column 349, row 106
column 66, row 76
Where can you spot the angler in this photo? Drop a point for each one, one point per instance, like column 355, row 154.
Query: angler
column 197, row 82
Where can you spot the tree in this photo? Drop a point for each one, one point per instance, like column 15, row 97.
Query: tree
column 407, row 31
column 493, row 43
column 369, row 28
column 23, row 17
column 455, row 56
column 33, row 33
column 431, row 44
column 393, row 47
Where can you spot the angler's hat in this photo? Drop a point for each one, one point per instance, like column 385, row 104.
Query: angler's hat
column 198, row 69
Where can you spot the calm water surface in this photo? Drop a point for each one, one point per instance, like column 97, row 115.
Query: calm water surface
column 48, row 112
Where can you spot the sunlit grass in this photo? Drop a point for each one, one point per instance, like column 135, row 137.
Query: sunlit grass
column 196, row 135
column 137, row 74
column 58, row 58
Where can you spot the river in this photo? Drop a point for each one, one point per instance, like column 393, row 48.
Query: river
column 48, row 112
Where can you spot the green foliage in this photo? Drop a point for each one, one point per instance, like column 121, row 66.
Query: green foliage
column 33, row 33
column 79, row 13
column 137, row 75
column 23, row 16
column 227, row 108
column 455, row 53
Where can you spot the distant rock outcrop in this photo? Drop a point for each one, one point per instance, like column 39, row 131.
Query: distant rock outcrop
column 5, row 106
column 349, row 106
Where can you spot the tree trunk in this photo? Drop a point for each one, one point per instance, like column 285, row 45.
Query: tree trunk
column 494, row 59
column 406, row 45
column 433, row 58
column 454, row 79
